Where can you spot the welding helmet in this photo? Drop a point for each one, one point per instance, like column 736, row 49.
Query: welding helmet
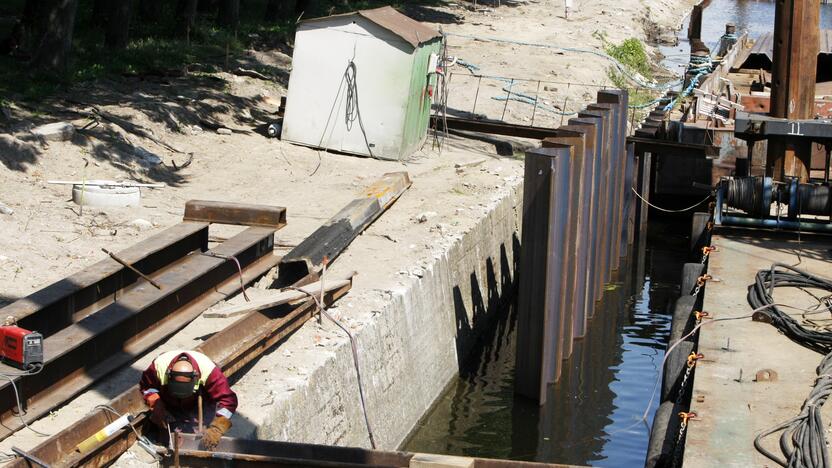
column 182, row 384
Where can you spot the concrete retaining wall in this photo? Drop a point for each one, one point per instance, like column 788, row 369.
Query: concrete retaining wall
column 409, row 347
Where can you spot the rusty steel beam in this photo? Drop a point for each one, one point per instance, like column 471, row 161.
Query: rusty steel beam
column 492, row 127
column 274, row 453
column 233, row 452
column 619, row 99
column 329, row 240
column 242, row 214
column 608, row 167
column 67, row 301
column 78, row 355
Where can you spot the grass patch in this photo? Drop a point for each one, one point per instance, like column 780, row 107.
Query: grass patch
column 632, row 55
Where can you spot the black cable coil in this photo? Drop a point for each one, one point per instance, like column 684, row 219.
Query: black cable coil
column 746, row 194
column 814, row 199
column 803, row 441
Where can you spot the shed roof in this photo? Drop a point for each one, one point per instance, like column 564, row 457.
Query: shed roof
column 412, row 31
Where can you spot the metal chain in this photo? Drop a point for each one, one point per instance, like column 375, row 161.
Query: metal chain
column 691, row 364
column 707, row 251
column 699, row 283
column 677, row 452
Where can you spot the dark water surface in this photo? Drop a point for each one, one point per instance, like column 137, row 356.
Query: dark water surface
column 755, row 17
column 593, row 412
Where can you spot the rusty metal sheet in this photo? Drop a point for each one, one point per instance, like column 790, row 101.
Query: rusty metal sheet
column 76, row 296
column 762, row 105
column 242, row 214
column 608, row 163
column 98, row 344
column 539, row 315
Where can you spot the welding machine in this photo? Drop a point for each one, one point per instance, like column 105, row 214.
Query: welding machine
column 20, row 347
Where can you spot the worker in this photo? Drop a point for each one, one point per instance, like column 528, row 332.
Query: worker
column 173, row 385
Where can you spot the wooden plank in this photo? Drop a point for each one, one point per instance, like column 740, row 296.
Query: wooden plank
column 242, row 214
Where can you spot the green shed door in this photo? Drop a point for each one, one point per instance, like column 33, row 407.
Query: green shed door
column 418, row 103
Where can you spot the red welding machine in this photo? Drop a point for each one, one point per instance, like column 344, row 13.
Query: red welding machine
column 20, row 347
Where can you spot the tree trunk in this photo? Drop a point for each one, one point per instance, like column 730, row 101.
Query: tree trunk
column 280, row 9
column 117, row 29
column 229, row 14
column 56, row 42
column 151, row 10
column 186, row 16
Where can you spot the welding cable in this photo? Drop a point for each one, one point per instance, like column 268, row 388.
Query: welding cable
column 354, row 348
column 33, row 370
column 803, row 441
column 666, row 210
column 761, row 292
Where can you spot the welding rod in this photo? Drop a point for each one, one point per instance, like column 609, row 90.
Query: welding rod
column 131, row 267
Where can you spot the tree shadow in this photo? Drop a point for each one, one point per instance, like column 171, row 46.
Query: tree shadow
column 17, row 154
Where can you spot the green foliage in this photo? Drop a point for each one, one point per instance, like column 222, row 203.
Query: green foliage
column 631, row 53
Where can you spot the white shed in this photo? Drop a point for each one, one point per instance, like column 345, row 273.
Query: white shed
column 362, row 83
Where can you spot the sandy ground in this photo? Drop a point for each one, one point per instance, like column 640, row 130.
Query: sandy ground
column 48, row 237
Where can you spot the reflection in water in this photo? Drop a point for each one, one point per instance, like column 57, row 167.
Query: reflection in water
column 756, row 17
column 593, row 411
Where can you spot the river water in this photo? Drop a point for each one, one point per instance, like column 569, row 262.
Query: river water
column 594, row 414
column 752, row 16
column 594, row 410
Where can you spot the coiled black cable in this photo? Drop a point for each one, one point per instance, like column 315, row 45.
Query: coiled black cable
column 746, row 194
column 803, row 438
column 814, row 199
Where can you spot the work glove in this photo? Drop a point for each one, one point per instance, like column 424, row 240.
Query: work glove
column 211, row 436
column 158, row 413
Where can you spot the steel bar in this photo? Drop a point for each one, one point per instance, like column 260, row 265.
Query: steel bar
column 130, row 267
column 329, row 240
column 235, row 213
column 280, row 452
column 613, row 102
column 249, row 452
column 29, row 458
column 100, row 343
column 539, row 319
column 66, row 301
column 494, row 127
